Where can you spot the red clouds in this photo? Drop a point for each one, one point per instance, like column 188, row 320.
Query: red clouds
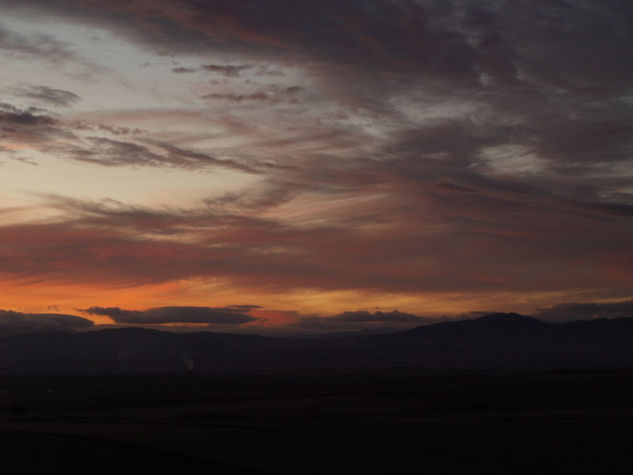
column 495, row 243
column 418, row 148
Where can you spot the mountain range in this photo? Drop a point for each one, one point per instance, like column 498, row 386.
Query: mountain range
column 495, row 342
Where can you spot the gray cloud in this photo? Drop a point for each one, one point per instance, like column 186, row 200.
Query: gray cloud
column 13, row 323
column 182, row 70
column 108, row 152
column 272, row 94
column 255, row 96
column 15, row 117
column 234, row 315
column 227, row 70
column 30, row 126
column 120, row 130
column 48, row 95
column 44, row 47
column 37, row 127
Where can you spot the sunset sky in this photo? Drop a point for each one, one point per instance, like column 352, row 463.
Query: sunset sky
column 315, row 164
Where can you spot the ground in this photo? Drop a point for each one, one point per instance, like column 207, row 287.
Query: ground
column 384, row 423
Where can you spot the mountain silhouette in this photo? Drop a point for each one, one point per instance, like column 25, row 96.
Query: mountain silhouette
column 495, row 325
column 492, row 342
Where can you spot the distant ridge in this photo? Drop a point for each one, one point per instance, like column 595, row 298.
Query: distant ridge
column 508, row 318
column 492, row 325
column 499, row 341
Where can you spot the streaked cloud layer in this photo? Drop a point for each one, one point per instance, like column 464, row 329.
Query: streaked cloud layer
column 315, row 157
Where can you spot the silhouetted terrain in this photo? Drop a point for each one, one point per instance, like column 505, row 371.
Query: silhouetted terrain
column 494, row 342
column 472, row 397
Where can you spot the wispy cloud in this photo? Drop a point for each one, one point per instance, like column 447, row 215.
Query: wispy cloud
column 393, row 147
column 48, row 95
column 228, row 70
column 41, row 46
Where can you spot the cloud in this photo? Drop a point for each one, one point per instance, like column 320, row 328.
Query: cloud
column 45, row 48
column 435, row 146
column 183, row 70
column 227, row 70
column 233, row 315
column 48, row 95
column 115, row 153
column 256, row 96
column 120, row 130
column 272, row 94
column 38, row 129
column 13, row 323
column 115, row 243
column 41, row 46
column 586, row 311
column 13, row 117
column 30, row 127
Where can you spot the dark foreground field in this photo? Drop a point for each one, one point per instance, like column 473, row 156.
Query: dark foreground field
column 354, row 423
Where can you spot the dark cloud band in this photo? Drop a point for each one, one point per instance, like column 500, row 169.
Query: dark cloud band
column 235, row 315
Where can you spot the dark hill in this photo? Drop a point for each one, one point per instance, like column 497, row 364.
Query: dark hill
column 496, row 325
column 125, row 350
column 492, row 342
column 609, row 332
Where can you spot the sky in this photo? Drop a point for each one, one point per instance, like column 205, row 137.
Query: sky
column 254, row 165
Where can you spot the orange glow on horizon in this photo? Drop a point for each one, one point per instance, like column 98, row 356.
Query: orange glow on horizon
column 277, row 309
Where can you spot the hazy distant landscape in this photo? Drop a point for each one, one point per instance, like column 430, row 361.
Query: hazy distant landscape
column 501, row 394
column 492, row 343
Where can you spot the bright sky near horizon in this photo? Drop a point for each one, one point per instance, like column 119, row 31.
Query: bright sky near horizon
column 314, row 165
